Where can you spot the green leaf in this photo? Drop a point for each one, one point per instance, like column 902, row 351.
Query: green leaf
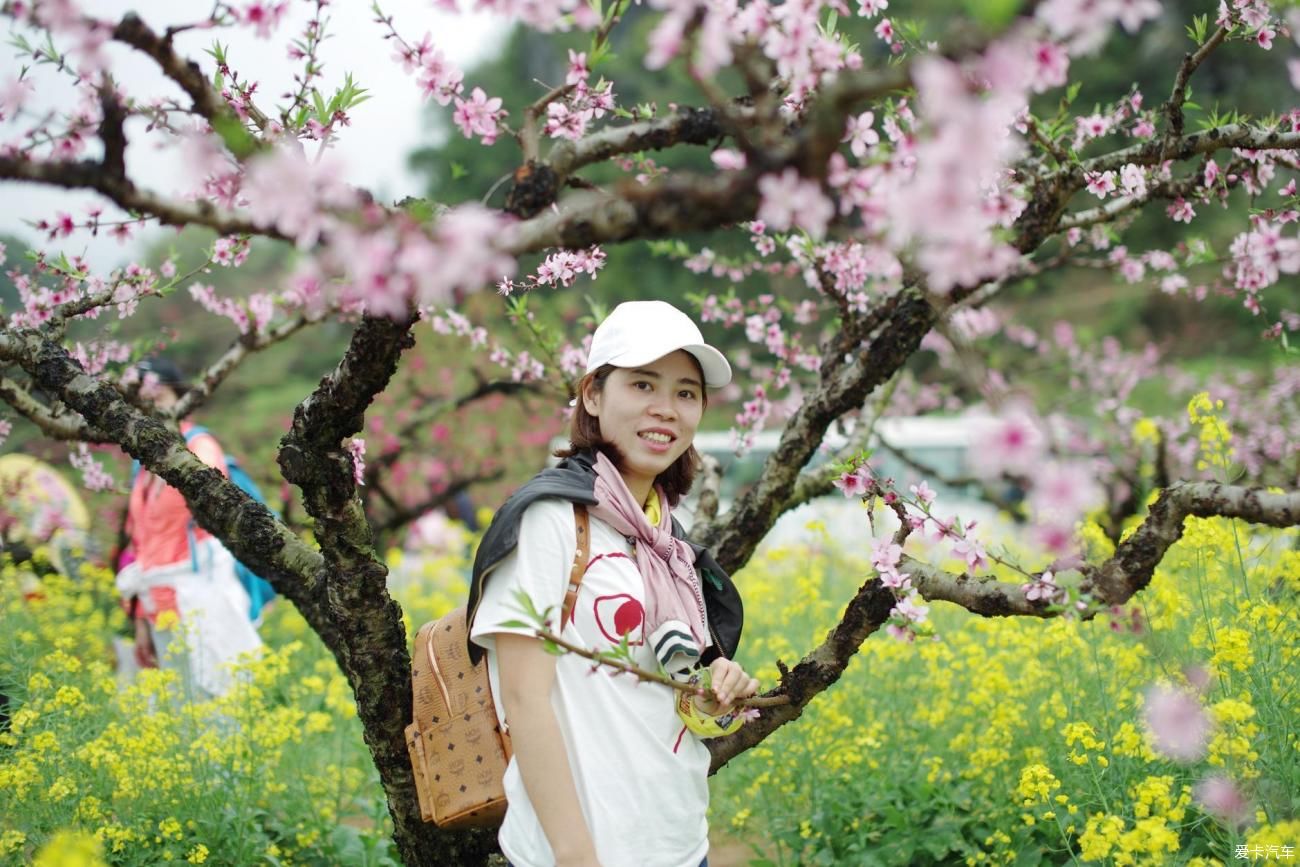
column 1071, row 93
column 458, row 171
column 238, row 140
column 514, row 624
column 420, row 209
column 322, row 111
column 993, row 14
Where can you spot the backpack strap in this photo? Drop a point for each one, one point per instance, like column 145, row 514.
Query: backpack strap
column 582, row 530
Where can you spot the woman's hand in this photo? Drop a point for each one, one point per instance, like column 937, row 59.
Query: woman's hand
column 730, row 682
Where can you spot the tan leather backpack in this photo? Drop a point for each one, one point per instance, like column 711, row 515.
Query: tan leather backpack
column 458, row 751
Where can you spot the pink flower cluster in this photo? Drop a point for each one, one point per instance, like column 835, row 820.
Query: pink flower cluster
column 265, row 17
column 908, row 614
column 439, row 78
column 570, row 117
column 252, row 315
column 939, row 199
column 294, row 195
column 96, row 355
column 384, row 268
column 1178, row 723
column 93, row 475
column 792, row 202
column 1045, row 589
column 479, row 116
column 563, row 267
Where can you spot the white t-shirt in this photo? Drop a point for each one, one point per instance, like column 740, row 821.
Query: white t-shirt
column 642, row 778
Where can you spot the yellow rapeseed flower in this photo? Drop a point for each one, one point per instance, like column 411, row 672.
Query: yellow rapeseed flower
column 71, row 849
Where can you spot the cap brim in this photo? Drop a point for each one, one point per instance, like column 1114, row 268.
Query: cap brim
column 717, row 372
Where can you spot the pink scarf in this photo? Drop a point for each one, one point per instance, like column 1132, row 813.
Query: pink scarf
column 665, row 562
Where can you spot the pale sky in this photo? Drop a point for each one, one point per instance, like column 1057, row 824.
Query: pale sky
column 373, row 150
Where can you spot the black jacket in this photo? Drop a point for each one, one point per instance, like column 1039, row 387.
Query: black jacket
column 574, row 480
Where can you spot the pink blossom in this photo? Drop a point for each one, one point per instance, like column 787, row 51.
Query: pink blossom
column 356, row 447
column 439, row 78
column 1090, row 127
column 1293, row 71
column 563, row 122
column 1131, row 13
column 970, row 550
column 728, row 160
column 1044, row 588
column 578, row 71
column 1051, row 66
column 1063, row 491
column 885, row 555
column 478, row 115
column 872, row 8
column 1144, row 129
column 13, row 95
column 93, row 475
column 911, row 608
column 790, row 201
column 1178, row 724
column 1181, row 211
column 6, row 428
column 1220, row 797
column 295, row 195
column 264, row 16
column 1264, row 38
column 854, row 483
column 1011, row 443
column 900, row 633
column 860, row 134
column 1100, row 184
column 885, row 30
column 1133, row 180
column 923, row 493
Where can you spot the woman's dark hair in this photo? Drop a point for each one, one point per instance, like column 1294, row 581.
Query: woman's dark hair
column 167, row 372
column 584, row 434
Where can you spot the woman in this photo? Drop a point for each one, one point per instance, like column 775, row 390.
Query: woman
column 605, row 771
column 180, row 570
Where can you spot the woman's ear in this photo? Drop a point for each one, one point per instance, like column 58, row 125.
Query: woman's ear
column 591, row 397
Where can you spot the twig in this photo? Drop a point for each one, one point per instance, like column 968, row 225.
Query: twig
column 1174, row 107
column 642, row 674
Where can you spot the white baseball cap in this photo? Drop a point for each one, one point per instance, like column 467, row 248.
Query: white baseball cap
column 639, row 332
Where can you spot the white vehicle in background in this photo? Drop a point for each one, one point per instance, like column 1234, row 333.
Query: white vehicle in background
column 908, row 450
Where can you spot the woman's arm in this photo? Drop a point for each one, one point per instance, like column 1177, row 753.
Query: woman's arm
column 527, row 674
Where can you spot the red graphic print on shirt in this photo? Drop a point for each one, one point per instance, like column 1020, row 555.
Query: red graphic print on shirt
column 619, row 615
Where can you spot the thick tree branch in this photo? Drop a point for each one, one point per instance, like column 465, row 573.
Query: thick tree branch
column 54, row 424
column 1136, row 558
column 681, row 203
column 245, row 526
column 1114, row 582
column 371, row 643
column 186, row 73
column 91, row 175
column 851, row 369
column 709, row 482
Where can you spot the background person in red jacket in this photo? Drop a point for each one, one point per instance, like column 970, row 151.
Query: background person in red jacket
column 190, row 611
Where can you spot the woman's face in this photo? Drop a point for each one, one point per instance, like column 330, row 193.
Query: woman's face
column 650, row 415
